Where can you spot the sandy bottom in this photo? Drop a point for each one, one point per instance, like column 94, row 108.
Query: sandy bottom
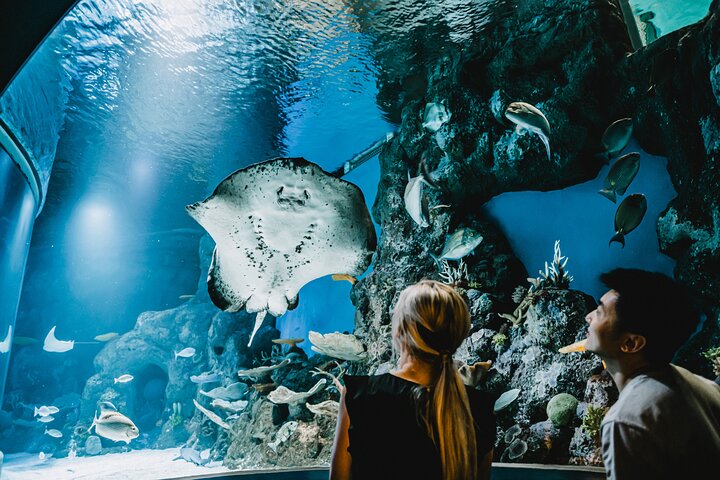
column 133, row 465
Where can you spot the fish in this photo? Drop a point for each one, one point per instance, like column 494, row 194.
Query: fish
column 628, row 216
column 344, row 276
column 620, row 176
column 191, row 455
column 416, row 203
column 52, row 344
column 106, row 337
column 186, row 297
column 528, row 117
column 574, row 347
column 44, row 411
column 21, row 341
column 114, row 426
column 435, row 116
column 46, row 419
column 123, row 378
column 206, row 378
column 5, row 344
column 214, row 417
column 616, row 137
column 107, row 407
column 185, row 352
column 460, row 243
column 232, row 392
column 363, row 156
column 53, row 433
column 283, row 434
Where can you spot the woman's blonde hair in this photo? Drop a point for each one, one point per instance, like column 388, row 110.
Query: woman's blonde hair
column 429, row 322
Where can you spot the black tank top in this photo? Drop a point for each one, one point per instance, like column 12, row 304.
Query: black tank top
column 387, row 437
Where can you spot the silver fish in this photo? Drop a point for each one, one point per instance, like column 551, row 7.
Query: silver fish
column 44, row 411
column 461, row 243
column 435, row 116
column 616, row 137
column 528, row 117
column 123, row 378
column 415, row 202
column 185, row 352
column 54, row 433
column 620, row 176
column 115, row 426
column 47, row 419
column 232, row 392
column 628, row 216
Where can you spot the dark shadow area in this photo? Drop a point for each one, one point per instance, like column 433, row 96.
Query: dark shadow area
column 150, row 397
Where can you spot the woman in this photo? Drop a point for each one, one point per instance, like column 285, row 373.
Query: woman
column 419, row 421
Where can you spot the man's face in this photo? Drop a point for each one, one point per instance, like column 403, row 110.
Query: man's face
column 603, row 337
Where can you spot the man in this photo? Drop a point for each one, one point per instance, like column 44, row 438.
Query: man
column 666, row 421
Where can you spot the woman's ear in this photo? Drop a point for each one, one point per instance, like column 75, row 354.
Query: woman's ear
column 633, row 344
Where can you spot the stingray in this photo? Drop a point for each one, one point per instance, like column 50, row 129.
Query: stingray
column 278, row 225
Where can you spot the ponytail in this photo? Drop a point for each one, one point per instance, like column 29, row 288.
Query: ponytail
column 430, row 321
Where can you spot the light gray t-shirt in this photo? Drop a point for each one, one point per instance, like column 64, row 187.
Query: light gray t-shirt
column 665, row 425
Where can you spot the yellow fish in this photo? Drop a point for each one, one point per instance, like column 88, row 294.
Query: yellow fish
column 106, row 337
column 344, row 276
column 574, row 347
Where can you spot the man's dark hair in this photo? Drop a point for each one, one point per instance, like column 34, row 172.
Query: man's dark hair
column 655, row 306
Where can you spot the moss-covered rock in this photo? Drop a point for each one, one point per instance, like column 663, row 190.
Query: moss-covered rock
column 561, row 409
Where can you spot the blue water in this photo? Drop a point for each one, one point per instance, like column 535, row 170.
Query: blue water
column 669, row 15
column 583, row 221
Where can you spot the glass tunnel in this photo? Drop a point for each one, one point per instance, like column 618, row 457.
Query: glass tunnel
column 209, row 210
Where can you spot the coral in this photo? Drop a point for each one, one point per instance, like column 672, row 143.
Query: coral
column 285, row 395
column 337, row 345
column 592, row 419
column 713, row 354
column 554, row 277
column 517, row 449
column 176, row 418
column 561, row 409
column 498, row 340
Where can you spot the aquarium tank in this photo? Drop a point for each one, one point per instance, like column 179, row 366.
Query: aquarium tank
column 209, row 209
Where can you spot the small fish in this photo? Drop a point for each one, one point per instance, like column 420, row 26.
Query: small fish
column 620, row 176
column 106, row 337
column 344, row 276
column 54, row 433
column 44, row 411
column 460, row 243
column 628, row 216
column 114, row 426
column 42, row 456
column 232, row 392
column 52, row 344
column 21, row 341
column 185, row 352
column 123, row 378
column 186, row 297
column 46, row 419
column 528, row 117
column 206, row 378
column 574, row 347
column 436, row 115
column 214, row 417
column 616, row 137
column 5, row 344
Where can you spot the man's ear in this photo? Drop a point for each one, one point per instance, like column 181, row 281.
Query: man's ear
column 633, row 343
